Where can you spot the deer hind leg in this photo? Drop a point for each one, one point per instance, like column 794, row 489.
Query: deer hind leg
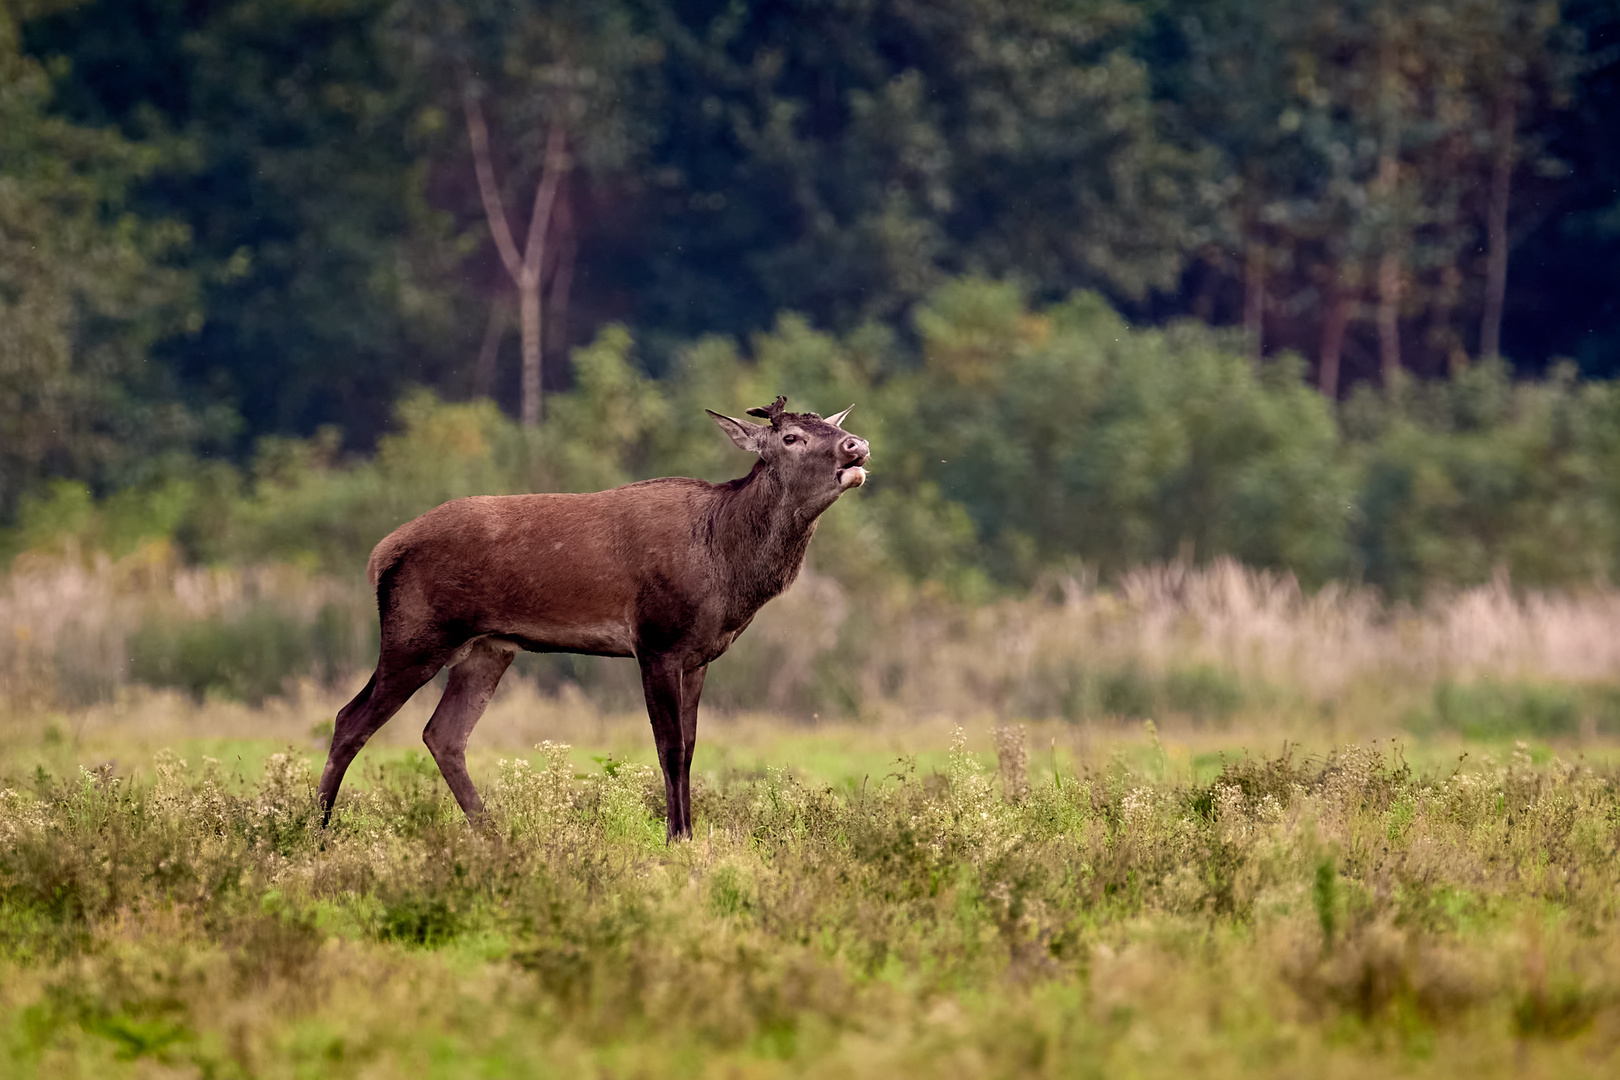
column 661, row 682
column 472, row 684
column 391, row 685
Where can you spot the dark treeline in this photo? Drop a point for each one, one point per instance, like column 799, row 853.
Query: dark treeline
column 222, row 220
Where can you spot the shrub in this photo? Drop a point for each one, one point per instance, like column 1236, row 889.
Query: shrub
column 248, row 658
column 1492, row 710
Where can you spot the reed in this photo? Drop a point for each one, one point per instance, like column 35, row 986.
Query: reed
column 1167, row 641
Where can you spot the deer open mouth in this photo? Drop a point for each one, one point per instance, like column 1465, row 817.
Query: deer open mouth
column 851, row 476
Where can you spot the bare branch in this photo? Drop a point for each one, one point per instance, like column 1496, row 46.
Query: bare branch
column 562, row 278
column 545, row 195
column 494, row 211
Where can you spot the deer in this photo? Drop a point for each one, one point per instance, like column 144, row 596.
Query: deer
column 668, row 572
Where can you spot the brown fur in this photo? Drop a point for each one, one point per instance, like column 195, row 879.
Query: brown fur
column 666, row 571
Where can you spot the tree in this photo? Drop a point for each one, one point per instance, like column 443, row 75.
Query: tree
column 1520, row 57
column 1356, row 138
column 84, row 294
column 296, row 153
column 550, row 81
column 523, row 267
column 841, row 159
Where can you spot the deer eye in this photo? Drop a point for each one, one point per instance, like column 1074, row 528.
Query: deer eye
column 790, row 439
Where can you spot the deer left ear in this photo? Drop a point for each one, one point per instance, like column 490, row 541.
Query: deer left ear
column 837, row 419
column 748, row 437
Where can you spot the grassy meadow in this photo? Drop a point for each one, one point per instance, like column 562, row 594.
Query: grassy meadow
column 1197, row 823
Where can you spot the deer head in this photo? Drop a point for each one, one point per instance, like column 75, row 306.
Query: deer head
column 814, row 459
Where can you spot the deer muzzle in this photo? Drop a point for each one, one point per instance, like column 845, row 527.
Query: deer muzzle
column 853, row 453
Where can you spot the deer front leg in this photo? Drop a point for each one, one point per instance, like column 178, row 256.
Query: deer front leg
column 661, row 683
column 691, row 692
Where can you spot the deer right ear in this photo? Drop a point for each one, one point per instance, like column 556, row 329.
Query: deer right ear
column 749, row 437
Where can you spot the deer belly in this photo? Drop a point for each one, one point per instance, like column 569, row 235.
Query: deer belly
column 595, row 637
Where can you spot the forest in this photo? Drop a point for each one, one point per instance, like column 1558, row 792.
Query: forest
column 240, row 234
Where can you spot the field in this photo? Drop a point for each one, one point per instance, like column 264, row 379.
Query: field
column 1393, row 863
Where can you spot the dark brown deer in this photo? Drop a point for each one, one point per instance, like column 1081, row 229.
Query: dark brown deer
column 666, row 571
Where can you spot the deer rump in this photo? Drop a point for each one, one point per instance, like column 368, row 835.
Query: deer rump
column 667, row 571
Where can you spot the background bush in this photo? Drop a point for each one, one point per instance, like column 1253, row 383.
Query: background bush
column 1014, row 442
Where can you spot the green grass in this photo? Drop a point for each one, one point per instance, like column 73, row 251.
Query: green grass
column 1149, row 907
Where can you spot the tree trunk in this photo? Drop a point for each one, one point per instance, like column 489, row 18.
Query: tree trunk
column 534, row 261
column 1496, row 259
column 1333, row 327
column 562, row 277
column 1254, row 299
column 524, row 269
column 529, row 321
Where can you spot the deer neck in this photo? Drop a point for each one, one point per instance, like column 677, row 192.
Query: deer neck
column 760, row 535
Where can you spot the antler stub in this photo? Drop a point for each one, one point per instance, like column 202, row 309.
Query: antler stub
column 772, row 411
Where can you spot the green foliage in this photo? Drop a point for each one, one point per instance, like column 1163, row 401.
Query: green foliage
column 287, row 142
column 266, row 209
column 850, row 156
column 1025, row 444
column 1324, row 897
column 280, row 207
column 1142, row 444
column 1351, row 139
column 1077, row 691
column 250, row 657
column 85, row 292
column 1501, row 710
column 1481, row 475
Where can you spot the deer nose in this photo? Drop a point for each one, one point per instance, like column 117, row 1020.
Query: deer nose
column 853, row 451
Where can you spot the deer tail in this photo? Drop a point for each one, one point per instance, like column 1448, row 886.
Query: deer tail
column 383, row 556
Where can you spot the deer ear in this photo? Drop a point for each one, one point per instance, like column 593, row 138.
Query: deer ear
column 837, row 419
column 746, row 436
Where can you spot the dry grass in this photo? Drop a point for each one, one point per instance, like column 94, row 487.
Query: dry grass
column 70, row 630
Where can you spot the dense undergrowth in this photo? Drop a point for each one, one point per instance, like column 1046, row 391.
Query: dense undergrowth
column 1011, row 443
column 1336, row 912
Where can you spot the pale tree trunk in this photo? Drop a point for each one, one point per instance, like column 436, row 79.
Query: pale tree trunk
column 1254, row 299
column 562, row 276
column 523, row 268
column 1333, row 326
column 1496, row 258
column 529, row 321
